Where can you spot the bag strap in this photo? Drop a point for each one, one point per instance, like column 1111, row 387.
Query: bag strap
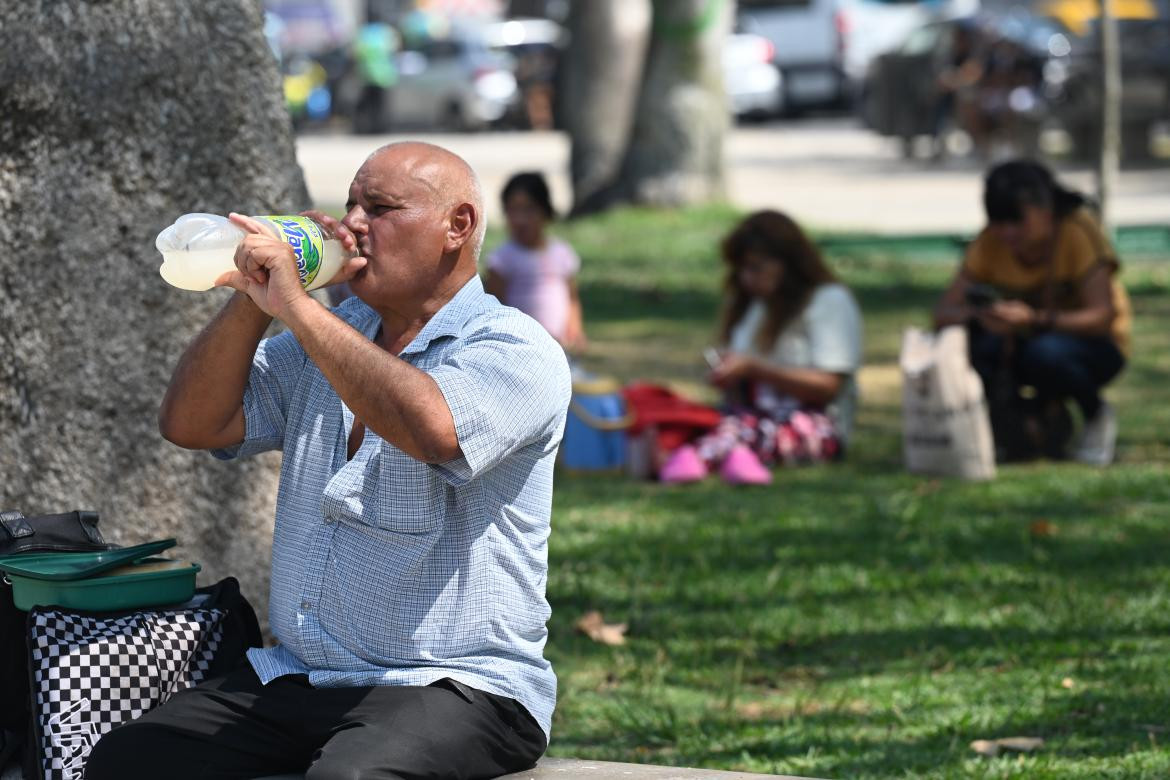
column 600, row 423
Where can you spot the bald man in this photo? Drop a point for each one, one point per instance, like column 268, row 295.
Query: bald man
column 419, row 422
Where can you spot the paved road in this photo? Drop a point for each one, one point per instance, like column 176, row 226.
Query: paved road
column 828, row 173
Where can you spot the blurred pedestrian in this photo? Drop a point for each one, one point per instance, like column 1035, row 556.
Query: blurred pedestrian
column 791, row 336
column 374, row 50
column 957, row 82
column 1048, row 318
column 533, row 271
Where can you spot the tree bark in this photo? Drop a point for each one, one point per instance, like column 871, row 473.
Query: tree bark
column 598, row 90
column 115, row 118
column 675, row 156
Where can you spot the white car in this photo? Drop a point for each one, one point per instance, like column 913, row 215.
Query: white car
column 456, row 82
column 751, row 79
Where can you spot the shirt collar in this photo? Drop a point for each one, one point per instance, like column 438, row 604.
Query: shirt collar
column 451, row 318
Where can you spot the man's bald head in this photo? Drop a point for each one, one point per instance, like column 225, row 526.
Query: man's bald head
column 447, row 175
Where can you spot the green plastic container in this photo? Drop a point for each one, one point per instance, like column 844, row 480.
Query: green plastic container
column 145, row 583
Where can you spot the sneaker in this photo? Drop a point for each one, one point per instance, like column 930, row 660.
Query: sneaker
column 743, row 467
column 684, row 465
column 1097, row 440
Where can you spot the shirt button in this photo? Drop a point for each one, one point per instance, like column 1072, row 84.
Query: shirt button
column 306, row 605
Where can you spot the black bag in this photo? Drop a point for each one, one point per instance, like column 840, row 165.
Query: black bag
column 75, row 531
column 78, row 532
column 71, row 532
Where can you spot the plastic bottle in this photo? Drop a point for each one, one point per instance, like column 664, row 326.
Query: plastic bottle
column 198, row 248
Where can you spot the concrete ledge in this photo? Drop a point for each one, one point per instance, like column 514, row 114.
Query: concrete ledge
column 561, row 768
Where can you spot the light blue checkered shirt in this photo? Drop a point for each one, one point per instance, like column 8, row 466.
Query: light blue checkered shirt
column 389, row 571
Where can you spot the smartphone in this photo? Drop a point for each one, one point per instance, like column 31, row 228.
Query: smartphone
column 711, row 355
column 980, row 296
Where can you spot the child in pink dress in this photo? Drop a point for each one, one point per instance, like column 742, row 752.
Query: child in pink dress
column 533, row 271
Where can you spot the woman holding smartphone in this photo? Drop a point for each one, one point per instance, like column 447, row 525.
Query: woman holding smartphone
column 1039, row 291
column 791, row 344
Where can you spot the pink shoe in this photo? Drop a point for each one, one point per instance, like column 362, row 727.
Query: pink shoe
column 684, row 465
column 743, row 467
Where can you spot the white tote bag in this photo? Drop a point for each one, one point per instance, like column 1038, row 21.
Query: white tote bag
column 945, row 426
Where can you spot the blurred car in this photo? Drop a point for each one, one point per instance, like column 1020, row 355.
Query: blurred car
column 751, row 79
column 824, row 47
column 1145, row 84
column 535, row 47
column 901, row 97
column 457, row 82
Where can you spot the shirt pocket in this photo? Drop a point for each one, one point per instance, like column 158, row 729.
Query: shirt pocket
column 385, row 489
column 412, row 496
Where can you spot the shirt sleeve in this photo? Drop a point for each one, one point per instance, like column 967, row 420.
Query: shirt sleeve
column 1085, row 247
column 834, row 330
column 506, row 387
column 276, row 367
column 571, row 263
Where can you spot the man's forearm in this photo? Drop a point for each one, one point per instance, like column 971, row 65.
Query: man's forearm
column 203, row 406
column 395, row 400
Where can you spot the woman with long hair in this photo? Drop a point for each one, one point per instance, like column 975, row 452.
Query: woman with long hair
column 791, row 344
column 1039, row 292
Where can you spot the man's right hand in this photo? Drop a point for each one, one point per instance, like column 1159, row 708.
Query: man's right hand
column 266, row 268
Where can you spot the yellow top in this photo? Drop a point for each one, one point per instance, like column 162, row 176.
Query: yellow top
column 1080, row 248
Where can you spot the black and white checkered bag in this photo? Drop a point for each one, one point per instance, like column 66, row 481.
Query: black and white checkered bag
column 90, row 673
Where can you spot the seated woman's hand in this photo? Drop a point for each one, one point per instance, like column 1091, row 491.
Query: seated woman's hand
column 1008, row 317
column 733, row 368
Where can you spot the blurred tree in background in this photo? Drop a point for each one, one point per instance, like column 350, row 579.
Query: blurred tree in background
column 644, row 103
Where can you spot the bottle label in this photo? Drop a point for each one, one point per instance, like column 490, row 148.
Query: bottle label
column 305, row 238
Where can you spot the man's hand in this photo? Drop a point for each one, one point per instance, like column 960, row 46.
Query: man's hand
column 734, row 367
column 334, row 229
column 266, row 268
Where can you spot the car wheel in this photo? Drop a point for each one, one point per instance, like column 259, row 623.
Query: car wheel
column 453, row 117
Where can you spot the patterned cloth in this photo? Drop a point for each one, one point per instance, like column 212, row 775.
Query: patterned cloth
column 390, row 571
column 91, row 674
column 791, row 437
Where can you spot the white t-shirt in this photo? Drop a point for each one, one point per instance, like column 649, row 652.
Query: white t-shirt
column 825, row 336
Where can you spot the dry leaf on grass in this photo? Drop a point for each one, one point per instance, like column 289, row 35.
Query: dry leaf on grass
column 1042, row 528
column 993, row 747
column 592, row 625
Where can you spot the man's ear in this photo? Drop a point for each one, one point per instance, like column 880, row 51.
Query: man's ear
column 464, row 221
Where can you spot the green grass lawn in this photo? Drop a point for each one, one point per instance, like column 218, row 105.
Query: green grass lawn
column 854, row 620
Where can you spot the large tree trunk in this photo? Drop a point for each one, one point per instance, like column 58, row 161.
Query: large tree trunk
column 675, row 157
column 598, row 90
column 115, row 118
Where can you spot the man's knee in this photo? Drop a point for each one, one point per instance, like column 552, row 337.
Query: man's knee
column 118, row 754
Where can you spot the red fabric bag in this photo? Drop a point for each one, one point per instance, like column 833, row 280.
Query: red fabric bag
column 676, row 419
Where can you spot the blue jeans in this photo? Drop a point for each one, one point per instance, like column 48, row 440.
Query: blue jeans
column 1057, row 365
